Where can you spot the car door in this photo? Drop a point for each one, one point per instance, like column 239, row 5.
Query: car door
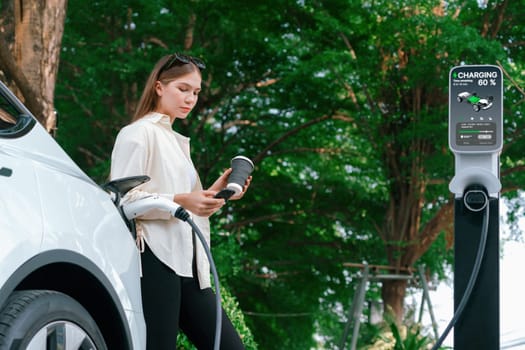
column 20, row 205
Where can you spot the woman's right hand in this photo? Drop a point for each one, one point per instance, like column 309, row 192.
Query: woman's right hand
column 201, row 203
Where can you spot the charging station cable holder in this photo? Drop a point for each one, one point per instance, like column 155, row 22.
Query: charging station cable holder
column 476, row 169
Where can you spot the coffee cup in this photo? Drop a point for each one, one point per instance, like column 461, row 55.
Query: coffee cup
column 242, row 167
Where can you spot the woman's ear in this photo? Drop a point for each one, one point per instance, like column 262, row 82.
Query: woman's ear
column 158, row 88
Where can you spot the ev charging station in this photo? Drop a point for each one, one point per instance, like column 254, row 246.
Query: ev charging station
column 476, row 139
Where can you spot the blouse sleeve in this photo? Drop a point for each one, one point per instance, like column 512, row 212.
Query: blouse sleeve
column 129, row 158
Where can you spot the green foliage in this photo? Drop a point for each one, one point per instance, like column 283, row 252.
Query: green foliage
column 412, row 341
column 408, row 336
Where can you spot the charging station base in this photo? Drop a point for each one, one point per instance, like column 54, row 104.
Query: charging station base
column 479, row 326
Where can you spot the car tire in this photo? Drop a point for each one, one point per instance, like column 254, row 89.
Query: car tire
column 460, row 99
column 476, row 108
column 43, row 319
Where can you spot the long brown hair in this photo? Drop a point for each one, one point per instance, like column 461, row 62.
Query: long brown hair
column 148, row 100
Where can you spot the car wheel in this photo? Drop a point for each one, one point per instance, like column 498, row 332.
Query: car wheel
column 460, row 99
column 476, row 108
column 42, row 319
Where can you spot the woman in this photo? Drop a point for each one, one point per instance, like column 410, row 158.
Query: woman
column 176, row 289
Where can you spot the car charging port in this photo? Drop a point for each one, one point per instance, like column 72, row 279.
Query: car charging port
column 475, row 198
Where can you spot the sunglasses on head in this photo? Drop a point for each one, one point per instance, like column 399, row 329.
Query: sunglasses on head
column 184, row 59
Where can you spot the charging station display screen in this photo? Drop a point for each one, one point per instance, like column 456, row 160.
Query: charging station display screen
column 476, row 109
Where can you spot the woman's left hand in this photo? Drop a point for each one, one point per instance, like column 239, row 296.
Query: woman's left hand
column 244, row 189
column 222, row 182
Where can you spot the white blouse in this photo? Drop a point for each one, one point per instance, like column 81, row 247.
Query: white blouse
column 150, row 147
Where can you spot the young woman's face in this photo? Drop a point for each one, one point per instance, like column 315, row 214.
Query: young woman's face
column 178, row 97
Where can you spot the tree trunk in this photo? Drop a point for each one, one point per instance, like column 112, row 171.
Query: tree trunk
column 393, row 295
column 406, row 240
column 31, row 62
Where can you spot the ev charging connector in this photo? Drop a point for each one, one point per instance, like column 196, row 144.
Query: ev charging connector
column 476, row 139
column 475, row 198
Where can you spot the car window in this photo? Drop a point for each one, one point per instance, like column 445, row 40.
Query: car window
column 7, row 120
column 13, row 121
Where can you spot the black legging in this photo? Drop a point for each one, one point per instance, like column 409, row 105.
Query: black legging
column 170, row 301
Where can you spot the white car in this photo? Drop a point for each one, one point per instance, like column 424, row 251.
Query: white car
column 69, row 268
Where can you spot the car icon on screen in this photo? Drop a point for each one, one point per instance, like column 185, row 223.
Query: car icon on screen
column 478, row 103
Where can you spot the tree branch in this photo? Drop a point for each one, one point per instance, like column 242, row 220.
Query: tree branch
column 292, row 132
column 188, row 39
column 442, row 221
column 269, row 217
column 515, row 169
column 516, row 85
column 500, row 17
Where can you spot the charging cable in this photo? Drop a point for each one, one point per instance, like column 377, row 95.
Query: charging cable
column 180, row 214
column 143, row 205
column 475, row 200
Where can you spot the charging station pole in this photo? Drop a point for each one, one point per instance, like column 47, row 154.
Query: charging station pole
column 476, row 138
